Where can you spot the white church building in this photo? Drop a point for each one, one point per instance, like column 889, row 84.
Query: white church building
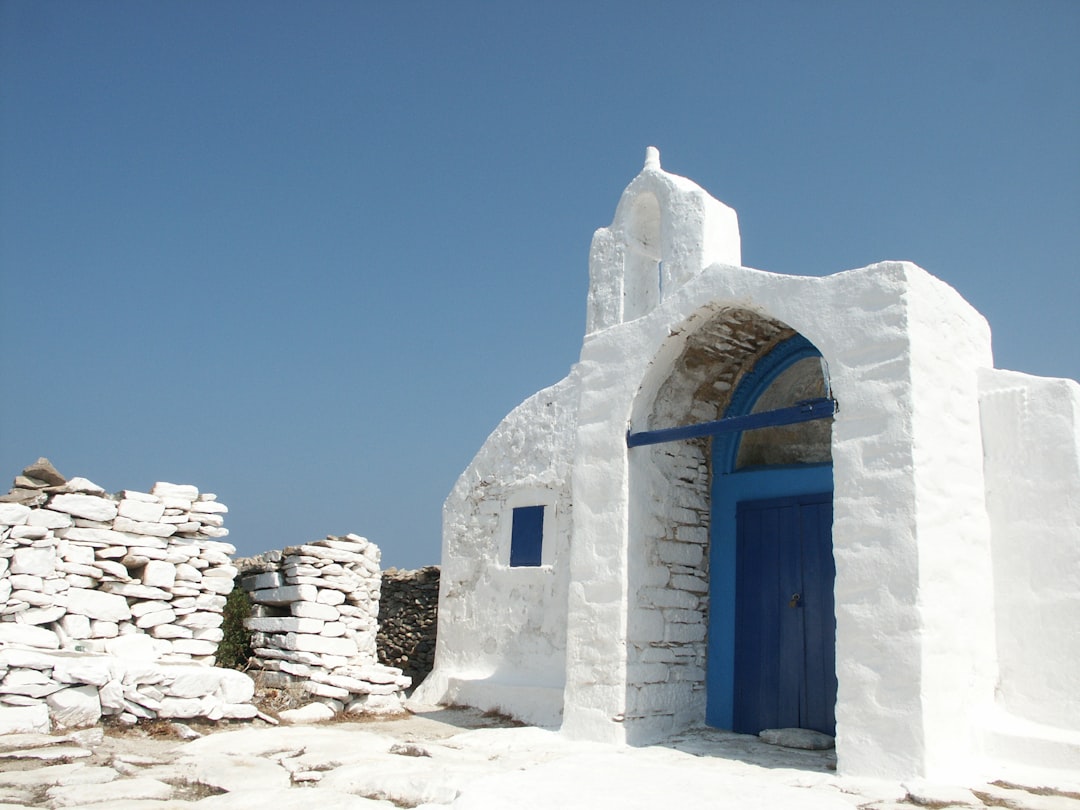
column 770, row 501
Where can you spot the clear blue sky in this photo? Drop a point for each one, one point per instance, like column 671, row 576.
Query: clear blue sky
column 307, row 255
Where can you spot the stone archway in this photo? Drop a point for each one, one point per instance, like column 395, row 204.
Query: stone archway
column 671, row 531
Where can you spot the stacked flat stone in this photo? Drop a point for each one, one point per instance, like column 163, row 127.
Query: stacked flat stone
column 408, row 620
column 315, row 621
column 137, row 576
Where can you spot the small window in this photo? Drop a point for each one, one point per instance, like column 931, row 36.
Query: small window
column 527, row 536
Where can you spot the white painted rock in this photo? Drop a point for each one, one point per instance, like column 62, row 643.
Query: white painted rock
column 75, row 707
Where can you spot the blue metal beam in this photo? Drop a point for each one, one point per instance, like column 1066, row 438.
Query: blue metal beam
column 803, row 412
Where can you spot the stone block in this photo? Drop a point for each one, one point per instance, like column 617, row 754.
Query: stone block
column 264, row 581
column 28, row 532
column 76, row 625
column 75, row 707
column 103, row 629
column 83, row 505
column 286, row 624
column 185, row 492
column 97, row 604
column 194, row 646
column 29, row 635
column 330, row 597
column 345, row 647
column 25, row 719
column 39, row 562
column 13, row 514
column 41, row 615
column 158, row 574
column 148, row 620
column 218, row 585
column 141, row 511
column 315, row 610
column 285, row 595
column 123, row 524
column 26, row 582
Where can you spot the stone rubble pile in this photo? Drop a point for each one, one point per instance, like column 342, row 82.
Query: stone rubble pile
column 315, row 620
column 103, row 597
column 408, row 620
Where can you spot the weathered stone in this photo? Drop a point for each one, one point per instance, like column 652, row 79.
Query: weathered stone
column 158, row 574
column 183, row 492
column 317, row 644
column 310, row 713
column 124, row 524
column 24, row 719
column 40, row 562
column 47, row 518
column 41, row 615
column 140, row 510
column 285, row 624
column 75, row 706
column 285, row 595
column 44, row 471
column 97, row 604
column 76, row 625
column 80, row 484
column 315, row 610
column 148, row 620
column 29, row 635
column 135, row 591
column 797, row 738
column 194, row 646
column 82, row 505
column 115, row 794
column 218, row 585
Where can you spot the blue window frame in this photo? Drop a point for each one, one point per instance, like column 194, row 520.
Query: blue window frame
column 527, row 536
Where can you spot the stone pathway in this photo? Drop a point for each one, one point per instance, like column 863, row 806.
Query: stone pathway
column 447, row 758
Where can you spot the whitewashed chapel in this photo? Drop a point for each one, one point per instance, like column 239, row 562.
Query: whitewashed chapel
column 767, row 501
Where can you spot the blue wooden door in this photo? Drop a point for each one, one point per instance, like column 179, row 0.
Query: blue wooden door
column 785, row 639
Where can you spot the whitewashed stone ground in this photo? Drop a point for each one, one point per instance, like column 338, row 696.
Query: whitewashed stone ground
column 315, row 623
column 112, row 604
column 452, row 759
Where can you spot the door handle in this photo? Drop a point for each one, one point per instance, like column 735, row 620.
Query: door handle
column 796, row 599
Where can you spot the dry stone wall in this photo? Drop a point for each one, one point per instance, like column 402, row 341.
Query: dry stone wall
column 314, row 623
column 408, row 618
column 112, row 604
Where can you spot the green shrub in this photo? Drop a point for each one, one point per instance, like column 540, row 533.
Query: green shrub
column 234, row 650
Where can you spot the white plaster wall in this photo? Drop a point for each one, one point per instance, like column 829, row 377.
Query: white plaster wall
column 1031, row 434
column 502, row 631
column 950, row 343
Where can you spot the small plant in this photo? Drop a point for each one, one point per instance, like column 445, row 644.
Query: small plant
column 234, row 650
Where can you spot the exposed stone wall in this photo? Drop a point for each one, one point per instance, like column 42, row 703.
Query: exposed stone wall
column 315, row 619
column 408, row 615
column 112, row 604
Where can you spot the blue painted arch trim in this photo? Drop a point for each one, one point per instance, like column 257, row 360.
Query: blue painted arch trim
column 752, row 386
